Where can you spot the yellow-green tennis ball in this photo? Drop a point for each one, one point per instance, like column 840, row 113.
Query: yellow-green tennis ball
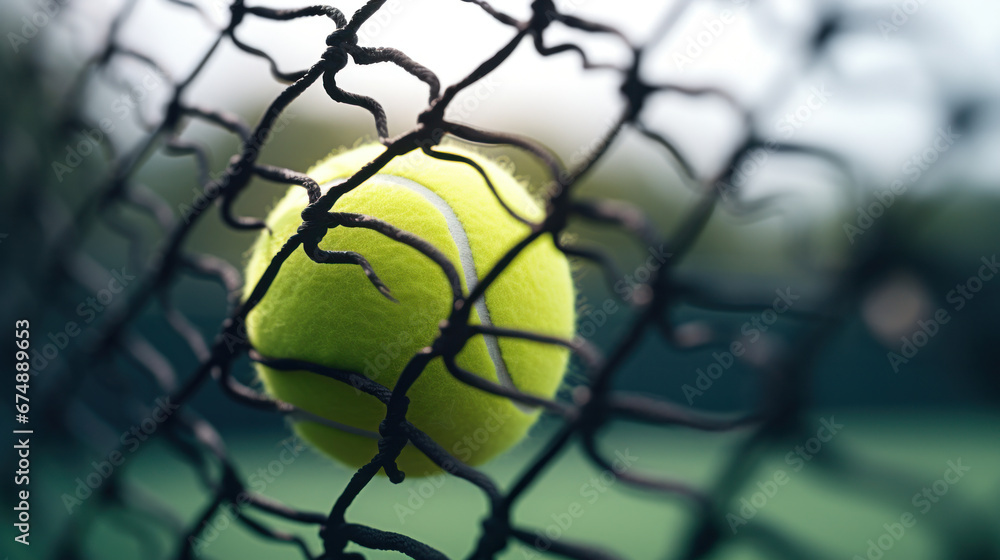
column 330, row 314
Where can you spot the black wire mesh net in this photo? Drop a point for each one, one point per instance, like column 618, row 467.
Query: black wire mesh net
column 72, row 396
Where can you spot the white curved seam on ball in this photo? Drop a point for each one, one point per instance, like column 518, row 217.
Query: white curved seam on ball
column 461, row 239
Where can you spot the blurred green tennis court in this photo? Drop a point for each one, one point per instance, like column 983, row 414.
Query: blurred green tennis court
column 575, row 501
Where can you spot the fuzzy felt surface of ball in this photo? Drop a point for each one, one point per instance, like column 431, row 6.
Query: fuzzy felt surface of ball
column 332, row 315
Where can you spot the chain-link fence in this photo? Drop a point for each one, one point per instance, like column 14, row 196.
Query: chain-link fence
column 125, row 364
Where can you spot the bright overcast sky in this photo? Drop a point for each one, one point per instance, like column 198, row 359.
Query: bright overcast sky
column 878, row 90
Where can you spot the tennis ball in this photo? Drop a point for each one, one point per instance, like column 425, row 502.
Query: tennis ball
column 331, row 314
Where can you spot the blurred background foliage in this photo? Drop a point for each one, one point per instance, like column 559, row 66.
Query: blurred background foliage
column 892, row 94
